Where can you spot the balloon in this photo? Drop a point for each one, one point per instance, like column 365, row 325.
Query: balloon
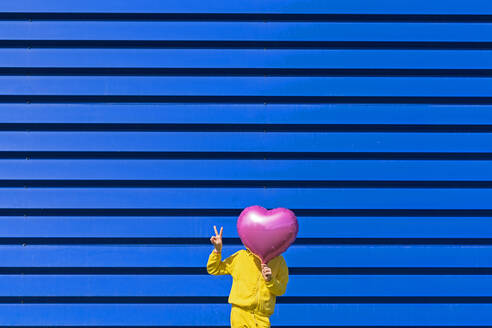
column 267, row 233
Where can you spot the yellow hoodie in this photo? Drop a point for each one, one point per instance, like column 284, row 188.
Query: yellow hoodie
column 249, row 289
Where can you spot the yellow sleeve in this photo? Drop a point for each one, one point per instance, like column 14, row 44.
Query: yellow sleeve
column 278, row 285
column 217, row 267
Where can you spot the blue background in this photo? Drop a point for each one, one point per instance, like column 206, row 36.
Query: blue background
column 129, row 128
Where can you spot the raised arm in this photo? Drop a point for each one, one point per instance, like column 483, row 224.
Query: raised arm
column 215, row 266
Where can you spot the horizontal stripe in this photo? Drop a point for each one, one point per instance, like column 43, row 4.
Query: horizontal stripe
column 201, row 227
column 246, row 142
column 245, row 31
column 219, row 286
column 223, row 299
column 244, row 170
column 146, row 71
column 166, row 44
column 329, row 114
column 217, row 314
column 178, row 256
column 236, row 198
column 248, row 17
column 255, row 6
column 246, row 86
column 247, row 58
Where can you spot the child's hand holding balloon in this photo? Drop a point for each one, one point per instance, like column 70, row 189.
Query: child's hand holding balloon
column 266, row 272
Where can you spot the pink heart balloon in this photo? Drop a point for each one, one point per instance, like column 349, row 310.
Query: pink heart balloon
column 267, row 233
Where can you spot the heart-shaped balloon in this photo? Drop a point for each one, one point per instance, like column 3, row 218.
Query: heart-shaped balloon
column 267, row 233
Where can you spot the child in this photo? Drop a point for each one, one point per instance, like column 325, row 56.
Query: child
column 255, row 285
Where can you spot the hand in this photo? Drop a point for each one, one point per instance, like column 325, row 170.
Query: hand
column 217, row 239
column 266, row 272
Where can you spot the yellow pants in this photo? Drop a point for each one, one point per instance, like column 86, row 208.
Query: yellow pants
column 242, row 318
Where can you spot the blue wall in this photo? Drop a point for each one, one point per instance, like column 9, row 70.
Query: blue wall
column 130, row 128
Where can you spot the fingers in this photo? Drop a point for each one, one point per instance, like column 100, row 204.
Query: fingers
column 217, row 233
column 266, row 271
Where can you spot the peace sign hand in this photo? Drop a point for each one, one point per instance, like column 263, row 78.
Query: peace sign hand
column 217, row 239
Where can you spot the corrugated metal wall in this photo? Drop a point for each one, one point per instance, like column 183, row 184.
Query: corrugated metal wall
column 130, row 128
